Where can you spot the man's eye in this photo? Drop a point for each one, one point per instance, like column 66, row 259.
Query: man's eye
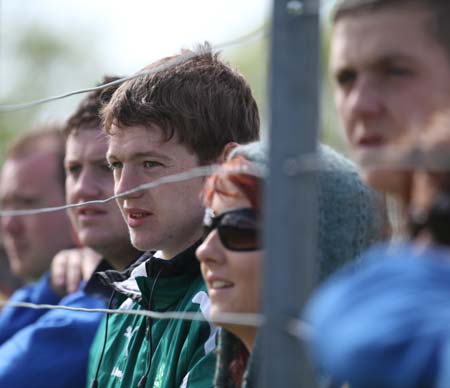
column 150, row 164
column 21, row 203
column 28, row 202
column 114, row 165
column 73, row 169
column 397, row 71
column 345, row 77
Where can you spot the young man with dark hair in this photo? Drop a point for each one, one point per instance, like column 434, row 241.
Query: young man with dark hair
column 88, row 178
column 190, row 114
column 391, row 63
column 375, row 327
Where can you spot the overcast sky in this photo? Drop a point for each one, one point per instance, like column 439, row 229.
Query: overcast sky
column 136, row 32
column 126, row 35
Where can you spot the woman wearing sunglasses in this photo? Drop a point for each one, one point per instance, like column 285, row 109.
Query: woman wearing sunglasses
column 231, row 254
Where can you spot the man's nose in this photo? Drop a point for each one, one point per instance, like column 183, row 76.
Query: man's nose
column 87, row 186
column 126, row 182
column 365, row 98
column 12, row 225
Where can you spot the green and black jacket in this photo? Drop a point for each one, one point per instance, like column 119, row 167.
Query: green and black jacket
column 179, row 353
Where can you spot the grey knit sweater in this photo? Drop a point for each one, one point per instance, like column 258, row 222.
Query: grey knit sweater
column 351, row 217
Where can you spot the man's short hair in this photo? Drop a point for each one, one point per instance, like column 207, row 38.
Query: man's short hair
column 202, row 100
column 87, row 115
column 438, row 25
column 48, row 139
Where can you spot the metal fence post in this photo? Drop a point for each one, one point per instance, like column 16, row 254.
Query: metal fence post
column 290, row 230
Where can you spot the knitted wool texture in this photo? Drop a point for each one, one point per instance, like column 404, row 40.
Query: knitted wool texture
column 351, row 217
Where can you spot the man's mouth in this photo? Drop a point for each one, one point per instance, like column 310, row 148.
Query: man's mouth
column 370, row 141
column 89, row 214
column 136, row 217
column 90, row 211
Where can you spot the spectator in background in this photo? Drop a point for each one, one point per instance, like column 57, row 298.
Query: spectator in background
column 100, row 227
column 391, row 64
column 387, row 323
column 51, row 348
column 33, row 177
column 390, row 60
column 8, row 281
column 350, row 218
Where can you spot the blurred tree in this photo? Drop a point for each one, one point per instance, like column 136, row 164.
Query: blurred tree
column 40, row 63
column 252, row 60
column 332, row 132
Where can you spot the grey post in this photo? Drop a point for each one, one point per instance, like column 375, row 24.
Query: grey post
column 290, row 231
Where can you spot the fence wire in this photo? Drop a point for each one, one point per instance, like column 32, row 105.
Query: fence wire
column 247, row 38
column 294, row 326
column 387, row 159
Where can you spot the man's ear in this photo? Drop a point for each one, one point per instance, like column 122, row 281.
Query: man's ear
column 226, row 151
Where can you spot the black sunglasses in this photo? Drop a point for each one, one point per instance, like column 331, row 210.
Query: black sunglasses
column 239, row 229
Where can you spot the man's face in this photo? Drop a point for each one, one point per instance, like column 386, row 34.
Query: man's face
column 88, row 178
column 32, row 241
column 168, row 217
column 391, row 75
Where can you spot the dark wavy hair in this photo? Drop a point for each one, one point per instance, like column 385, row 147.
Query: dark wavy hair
column 87, row 114
column 199, row 98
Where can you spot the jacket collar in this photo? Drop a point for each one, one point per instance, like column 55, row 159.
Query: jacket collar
column 94, row 286
column 148, row 266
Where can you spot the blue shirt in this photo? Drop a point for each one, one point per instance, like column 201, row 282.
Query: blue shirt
column 47, row 348
column 386, row 322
